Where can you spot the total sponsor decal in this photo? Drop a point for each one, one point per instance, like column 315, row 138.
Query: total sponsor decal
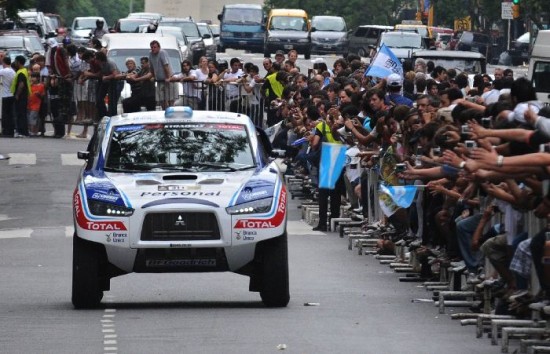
column 88, row 224
column 274, row 221
column 116, row 237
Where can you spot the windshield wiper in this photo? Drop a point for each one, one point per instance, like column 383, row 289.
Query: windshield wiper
column 222, row 165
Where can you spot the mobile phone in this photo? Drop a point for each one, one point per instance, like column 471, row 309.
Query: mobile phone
column 465, row 129
column 400, row 167
column 437, row 151
column 544, row 148
column 470, row 144
column 326, row 81
column 486, row 122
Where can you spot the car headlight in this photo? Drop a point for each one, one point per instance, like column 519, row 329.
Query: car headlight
column 106, row 209
column 225, row 34
column 303, row 40
column 274, row 40
column 197, row 45
column 257, row 35
column 254, row 207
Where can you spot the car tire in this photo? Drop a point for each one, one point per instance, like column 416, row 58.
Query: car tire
column 86, row 289
column 275, row 288
column 362, row 53
column 267, row 54
column 307, row 55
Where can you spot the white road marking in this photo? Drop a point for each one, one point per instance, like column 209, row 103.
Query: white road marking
column 22, row 159
column 109, row 342
column 4, row 217
column 15, row 233
column 110, row 336
column 111, row 316
column 301, row 228
column 71, row 160
column 69, row 231
column 108, row 330
column 110, row 310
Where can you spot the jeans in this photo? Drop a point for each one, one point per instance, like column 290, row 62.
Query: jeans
column 465, row 229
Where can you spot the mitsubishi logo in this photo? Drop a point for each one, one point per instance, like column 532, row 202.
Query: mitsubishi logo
column 180, row 221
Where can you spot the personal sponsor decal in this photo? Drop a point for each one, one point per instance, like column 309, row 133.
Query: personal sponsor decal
column 88, row 224
column 180, row 194
column 274, row 221
column 206, row 262
column 116, row 237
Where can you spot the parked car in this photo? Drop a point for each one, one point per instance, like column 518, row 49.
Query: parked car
column 23, row 42
column 519, row 50
column 129, row 25
column 179, row 191
column 475, row 42
column 191, row 30
column 402, row 44
column 216, row 32
column 82, row 27
column 468, row 62
column 363, row 37
column 329, row 35
column 208, row 38
column 182, row 39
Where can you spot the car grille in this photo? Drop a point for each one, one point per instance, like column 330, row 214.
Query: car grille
column 180, row 226
column 243, row 35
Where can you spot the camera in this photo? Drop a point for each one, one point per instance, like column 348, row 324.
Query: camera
column 465, row 129
column 496, row 209
column 470, row 98
column 486, row 122
column 544, row 148
column 437, row 151
column 400, row 167
column 470, row 144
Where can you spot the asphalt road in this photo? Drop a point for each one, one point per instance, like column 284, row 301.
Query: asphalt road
column 362, row 307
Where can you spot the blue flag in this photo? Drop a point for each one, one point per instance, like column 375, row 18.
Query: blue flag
column 333, row 159
column 299, row 142
column 384, row 64
column 402, row 196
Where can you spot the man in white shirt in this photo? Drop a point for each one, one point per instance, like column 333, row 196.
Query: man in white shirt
column 232, row 89
column 7, row 74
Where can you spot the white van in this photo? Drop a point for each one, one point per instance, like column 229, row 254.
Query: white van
column 539, row 66
column 136, row 45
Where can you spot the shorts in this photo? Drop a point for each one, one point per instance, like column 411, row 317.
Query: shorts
column 167, row 91
column 32, row 117
column 81, row 91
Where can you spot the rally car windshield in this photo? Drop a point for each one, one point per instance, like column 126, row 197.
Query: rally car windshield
column 184, row 147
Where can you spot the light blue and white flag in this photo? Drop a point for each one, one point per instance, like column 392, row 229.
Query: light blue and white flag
column 333, row 159
column 402, row 196
column 300, row 141
column 384, row 64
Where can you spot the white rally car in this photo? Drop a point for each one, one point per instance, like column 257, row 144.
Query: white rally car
column 179, row 191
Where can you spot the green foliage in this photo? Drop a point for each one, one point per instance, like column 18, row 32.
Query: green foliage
column 13, row 6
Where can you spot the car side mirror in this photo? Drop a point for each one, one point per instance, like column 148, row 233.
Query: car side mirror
column 83, row 155
column 206, row 36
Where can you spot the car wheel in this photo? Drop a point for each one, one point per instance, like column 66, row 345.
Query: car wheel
column 267, row 54
column 275, row 289
column 86, row 291
column 362, row 53
column 307, row 55
column 221, row 49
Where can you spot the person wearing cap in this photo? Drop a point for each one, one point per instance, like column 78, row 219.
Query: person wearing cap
column 280, row 57
column 394, row 83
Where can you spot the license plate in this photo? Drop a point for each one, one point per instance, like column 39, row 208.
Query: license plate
column 475, row 49
column 327, row 46
column 288, row 46
column 242, row 42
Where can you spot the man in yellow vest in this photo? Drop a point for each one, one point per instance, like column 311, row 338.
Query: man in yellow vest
column 21, row 89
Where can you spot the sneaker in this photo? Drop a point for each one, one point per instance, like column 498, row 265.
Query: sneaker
column 458, row 264
column 472, row 279
column 358, row 210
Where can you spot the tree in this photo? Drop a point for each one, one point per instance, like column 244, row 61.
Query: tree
column 13, row 6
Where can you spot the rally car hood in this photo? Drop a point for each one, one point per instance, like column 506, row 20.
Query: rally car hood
column 211, row 189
